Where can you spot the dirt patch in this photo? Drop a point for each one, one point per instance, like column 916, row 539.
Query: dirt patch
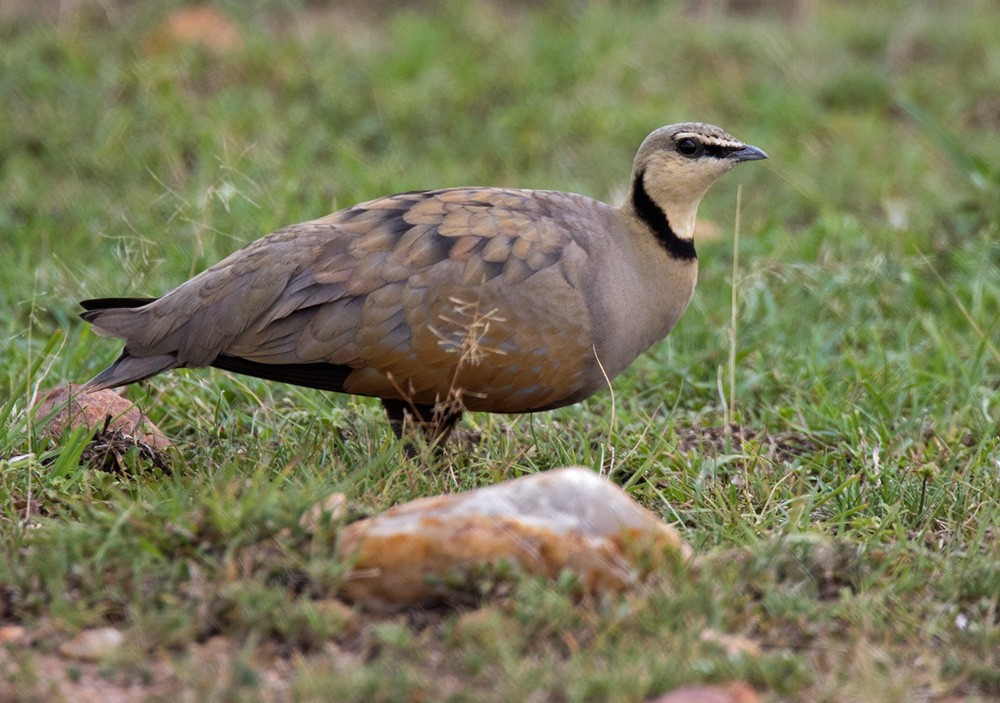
column 108, row 449
column 777, row 446
column 206, row 669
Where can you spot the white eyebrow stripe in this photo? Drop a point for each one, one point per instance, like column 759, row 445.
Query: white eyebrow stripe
column 710, row 141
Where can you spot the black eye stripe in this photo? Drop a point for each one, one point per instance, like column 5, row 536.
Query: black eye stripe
column 719, row 152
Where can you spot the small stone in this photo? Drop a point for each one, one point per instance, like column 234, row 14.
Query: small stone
column 333, row 508
column 735, row 646
column 737, row 692
column 68, row 407
column 93, row 645
column 545, row 523
column 13, row 634
column 199, row 25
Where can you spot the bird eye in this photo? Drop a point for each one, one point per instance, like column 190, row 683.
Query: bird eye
column 689, row 147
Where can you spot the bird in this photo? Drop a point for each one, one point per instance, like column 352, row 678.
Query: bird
column 443, row 301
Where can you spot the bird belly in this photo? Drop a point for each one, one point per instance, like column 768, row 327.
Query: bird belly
column 486, row 348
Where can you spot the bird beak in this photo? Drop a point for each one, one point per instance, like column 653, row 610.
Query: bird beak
column 747, row 153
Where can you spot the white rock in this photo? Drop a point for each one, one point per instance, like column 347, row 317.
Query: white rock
column 545, row 523
column 93, row 645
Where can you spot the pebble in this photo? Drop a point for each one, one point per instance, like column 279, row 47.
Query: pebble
column 12, row 634
column 93, row 645
column 738, row 692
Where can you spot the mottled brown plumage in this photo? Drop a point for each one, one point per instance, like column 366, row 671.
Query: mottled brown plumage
column 486, row 299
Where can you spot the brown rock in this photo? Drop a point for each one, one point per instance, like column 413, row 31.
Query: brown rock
column 68, row 407
column 545, row 523
column 13, row 634
column 738, row 692
column 735, row 646
column 199, row 25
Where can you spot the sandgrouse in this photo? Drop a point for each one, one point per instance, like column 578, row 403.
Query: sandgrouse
column 439, row 301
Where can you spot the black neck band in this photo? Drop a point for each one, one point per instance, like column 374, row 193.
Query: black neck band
column 650, row 213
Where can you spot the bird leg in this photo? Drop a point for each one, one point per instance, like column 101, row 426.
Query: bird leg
column 435, row 422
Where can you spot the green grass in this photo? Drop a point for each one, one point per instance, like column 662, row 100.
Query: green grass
column 848, row 526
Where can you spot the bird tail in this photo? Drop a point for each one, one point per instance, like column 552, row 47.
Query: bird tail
column 130, row 369
column 118, row 317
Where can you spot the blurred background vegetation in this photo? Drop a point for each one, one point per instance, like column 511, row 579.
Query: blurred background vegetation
column 200, row 138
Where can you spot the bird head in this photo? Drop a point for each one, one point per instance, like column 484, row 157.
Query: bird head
column 676, row 165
